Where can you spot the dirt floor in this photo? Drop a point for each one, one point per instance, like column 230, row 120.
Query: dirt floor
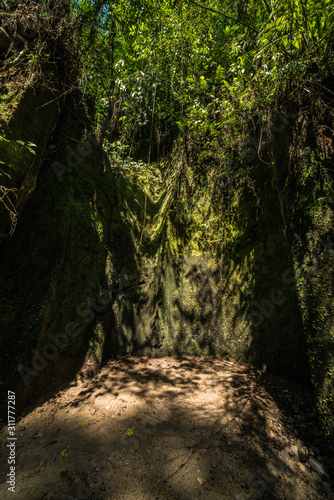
column 166, row 428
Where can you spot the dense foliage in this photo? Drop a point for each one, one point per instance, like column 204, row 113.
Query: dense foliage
column 181, row 68
column 161, row 70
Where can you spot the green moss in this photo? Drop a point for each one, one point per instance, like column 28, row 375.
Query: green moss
column 9, row 100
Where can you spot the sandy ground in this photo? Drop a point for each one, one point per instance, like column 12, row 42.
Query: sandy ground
column 166, row 428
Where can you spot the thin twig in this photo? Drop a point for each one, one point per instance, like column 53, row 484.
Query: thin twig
column 66, row 92
column 225, row 15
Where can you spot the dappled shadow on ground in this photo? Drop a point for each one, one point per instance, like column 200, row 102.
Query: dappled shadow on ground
column 160, row 428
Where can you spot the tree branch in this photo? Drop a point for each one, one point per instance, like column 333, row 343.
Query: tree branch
column 267, row 6
column 225, row 15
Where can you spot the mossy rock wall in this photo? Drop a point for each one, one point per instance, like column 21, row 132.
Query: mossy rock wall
column 112, row 262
